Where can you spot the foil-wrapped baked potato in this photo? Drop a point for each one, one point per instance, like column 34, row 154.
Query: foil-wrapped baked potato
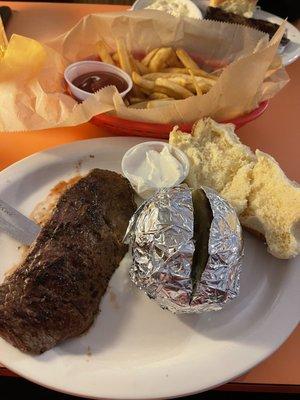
column 187, row 249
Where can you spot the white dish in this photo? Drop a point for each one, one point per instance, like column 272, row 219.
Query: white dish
column 291, row 51
column 82, row 67
column 134, row 157
column 141, row 4
column 135, row 350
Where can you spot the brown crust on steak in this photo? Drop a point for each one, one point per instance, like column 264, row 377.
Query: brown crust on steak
column 56, row 291
column 217, row 14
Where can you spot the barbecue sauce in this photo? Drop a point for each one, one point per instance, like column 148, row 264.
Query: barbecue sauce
column 93, row 81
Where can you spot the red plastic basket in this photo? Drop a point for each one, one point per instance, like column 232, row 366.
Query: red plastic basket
column 124, row 127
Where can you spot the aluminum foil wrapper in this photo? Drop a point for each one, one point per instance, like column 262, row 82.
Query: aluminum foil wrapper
column 161, row 237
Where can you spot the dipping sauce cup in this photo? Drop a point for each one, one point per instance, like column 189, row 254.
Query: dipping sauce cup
column 78, row 69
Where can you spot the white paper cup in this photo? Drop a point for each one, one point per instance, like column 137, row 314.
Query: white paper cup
column 197, row 14
column 136, row 154
column 77, row 69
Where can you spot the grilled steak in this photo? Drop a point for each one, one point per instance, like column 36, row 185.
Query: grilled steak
column 270, row 28
column 56, row 291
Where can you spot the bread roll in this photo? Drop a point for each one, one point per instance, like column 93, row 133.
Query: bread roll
column 240, row 7
column 266, row 201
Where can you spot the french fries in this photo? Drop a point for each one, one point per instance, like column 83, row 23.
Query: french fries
column 160, row 59
column 139, row 67
column 125, row 63
column 103, row 52
column 123, row 55
column 146, row 92
column 142, row 82
column 186, row 59
column 176, row 90
column 173, row 60
column 154, row 75
column 196, row 72
column 146, row 60
column 135, row 100
column 127, row 103
column 115, row 57
column 162, row 76
column 180, row 80
column 195, row 83
column 158, row 96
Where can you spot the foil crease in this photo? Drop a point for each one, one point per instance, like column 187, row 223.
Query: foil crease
column 161, row 237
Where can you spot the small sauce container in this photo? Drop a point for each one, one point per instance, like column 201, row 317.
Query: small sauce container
column 147, row 175
column 177, row 7
column 78, row 69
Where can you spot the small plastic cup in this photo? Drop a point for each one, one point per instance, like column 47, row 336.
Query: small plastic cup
column 136, row 154
column 197, row 14
column 83, row 67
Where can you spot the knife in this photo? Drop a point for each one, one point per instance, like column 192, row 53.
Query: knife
column 17, row 225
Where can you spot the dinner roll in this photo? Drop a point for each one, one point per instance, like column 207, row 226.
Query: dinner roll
column 266, row 201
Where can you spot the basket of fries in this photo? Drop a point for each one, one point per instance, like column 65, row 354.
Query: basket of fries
column 126, row 127
column 182, row 70
column 161, row 76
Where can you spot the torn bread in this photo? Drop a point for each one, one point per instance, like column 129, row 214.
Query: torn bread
column 240, row 7
column 266, row 201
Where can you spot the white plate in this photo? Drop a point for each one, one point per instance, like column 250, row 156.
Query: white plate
column 291, row 51
column 135, row 350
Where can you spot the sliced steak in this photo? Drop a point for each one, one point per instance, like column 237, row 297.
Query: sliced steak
column 270, row 28
column 56, row 291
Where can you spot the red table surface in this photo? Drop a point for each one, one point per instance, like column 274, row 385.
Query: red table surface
column 276, row 132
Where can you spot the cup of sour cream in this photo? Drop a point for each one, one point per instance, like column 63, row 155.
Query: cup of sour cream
column 153, row 165
column 177, row 8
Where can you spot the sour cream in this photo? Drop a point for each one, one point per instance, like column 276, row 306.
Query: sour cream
column 177, row 8
column 150, row 166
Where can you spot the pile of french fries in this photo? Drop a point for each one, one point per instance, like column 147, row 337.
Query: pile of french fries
column 163, row 75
